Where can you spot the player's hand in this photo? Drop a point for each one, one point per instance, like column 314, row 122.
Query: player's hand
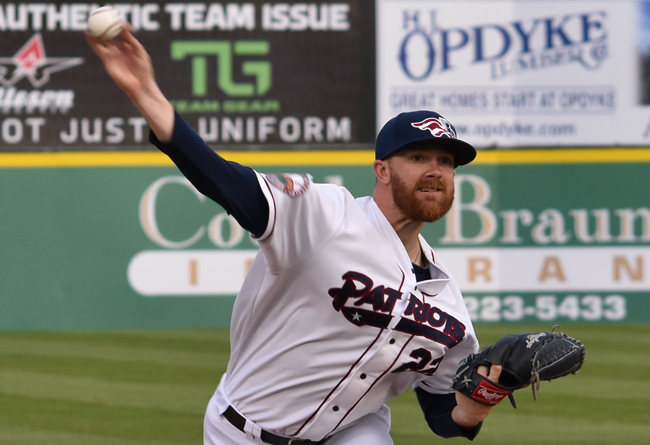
column 129, row 65
column 126, row 61
column 469, row 413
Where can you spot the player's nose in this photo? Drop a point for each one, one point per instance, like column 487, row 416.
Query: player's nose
column 434, row 169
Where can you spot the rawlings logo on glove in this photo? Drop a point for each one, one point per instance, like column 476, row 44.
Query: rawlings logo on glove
column 489, row 394
column 526, row 360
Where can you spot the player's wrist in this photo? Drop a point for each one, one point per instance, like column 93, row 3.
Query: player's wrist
column 145, row 94
column 469, row 413
column 157, row 111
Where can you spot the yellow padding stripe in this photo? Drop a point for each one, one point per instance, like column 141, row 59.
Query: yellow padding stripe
column 321, row 157
column 564, row 156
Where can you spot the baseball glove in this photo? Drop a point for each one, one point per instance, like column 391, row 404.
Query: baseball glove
column 526, row 359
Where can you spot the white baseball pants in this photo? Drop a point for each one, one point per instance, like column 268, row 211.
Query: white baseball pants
column 372, row 429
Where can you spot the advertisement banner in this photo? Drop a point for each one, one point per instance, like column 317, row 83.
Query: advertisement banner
column 125, row 241
column 245, row 74
column 519, row 73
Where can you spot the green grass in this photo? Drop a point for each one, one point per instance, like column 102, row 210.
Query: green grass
column 151, row 387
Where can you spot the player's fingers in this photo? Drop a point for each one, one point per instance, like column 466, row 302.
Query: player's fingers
column 129, row 27
column 122, row 39
column 495, row 372
column 96, row 45
column 492, row 373
column 128, row 39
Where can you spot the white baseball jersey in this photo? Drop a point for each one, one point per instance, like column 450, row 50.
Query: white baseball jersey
column 330, row 322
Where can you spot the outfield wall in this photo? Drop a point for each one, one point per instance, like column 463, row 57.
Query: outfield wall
column 121, row 240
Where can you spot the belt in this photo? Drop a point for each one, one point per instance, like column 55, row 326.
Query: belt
column 239, row 421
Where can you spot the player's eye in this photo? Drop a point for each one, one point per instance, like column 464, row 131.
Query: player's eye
column 446, row 160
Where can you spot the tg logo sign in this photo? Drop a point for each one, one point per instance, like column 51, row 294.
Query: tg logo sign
column 225, row 52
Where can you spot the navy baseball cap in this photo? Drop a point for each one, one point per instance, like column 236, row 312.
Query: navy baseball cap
column 411, row 127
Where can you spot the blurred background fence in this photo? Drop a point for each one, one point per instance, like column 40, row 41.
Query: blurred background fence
column 551, row 223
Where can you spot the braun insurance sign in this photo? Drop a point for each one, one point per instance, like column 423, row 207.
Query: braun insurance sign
column 534, row 235
column 519, row 72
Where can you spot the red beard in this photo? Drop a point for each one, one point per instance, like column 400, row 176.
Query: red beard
column 418, row 208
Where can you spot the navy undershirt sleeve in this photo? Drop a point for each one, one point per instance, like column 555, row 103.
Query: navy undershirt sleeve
column 233, row 186
column 437, row 411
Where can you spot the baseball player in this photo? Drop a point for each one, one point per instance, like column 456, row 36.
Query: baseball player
column 346, row 305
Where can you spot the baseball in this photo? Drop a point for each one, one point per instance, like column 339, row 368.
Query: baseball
column 105, row 23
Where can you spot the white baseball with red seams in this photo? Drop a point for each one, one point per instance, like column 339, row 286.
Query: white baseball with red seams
column 331, row 323
column 105, row 23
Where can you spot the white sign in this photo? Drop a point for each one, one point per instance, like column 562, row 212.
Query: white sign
column 519, row 73
column 159, row 273
column 554, row 269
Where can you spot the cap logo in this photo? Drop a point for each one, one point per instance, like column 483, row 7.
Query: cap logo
column 439, row 127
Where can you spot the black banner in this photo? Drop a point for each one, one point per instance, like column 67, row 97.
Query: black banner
column 244, row 74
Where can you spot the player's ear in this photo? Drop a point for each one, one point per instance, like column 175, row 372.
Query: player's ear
column 382, row 171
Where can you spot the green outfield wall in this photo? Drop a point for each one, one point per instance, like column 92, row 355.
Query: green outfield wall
column 121, row 240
